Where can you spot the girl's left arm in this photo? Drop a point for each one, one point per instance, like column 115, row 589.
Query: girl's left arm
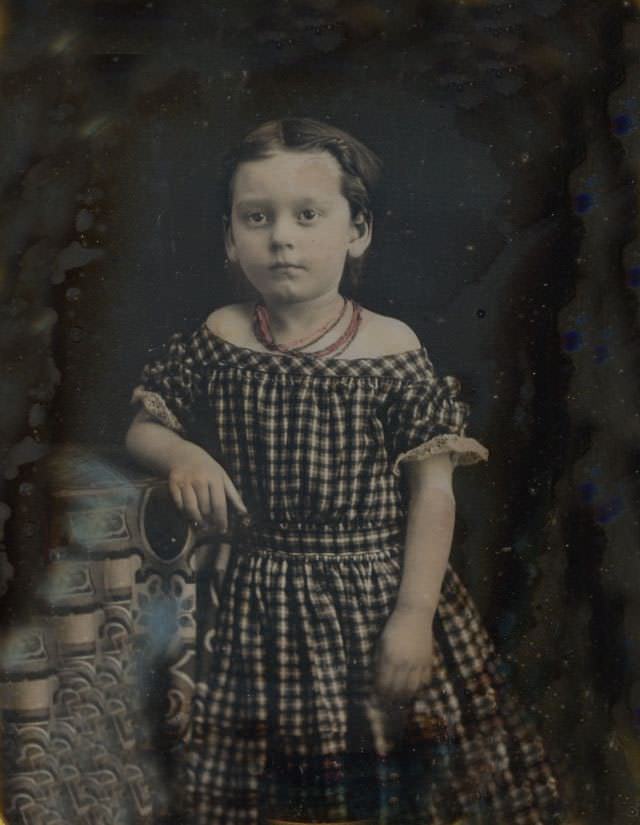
column 406, row 644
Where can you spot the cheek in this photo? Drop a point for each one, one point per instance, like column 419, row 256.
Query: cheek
column 333, row 240
column 335, row 244
column 247, row 243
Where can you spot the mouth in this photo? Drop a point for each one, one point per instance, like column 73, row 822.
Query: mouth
column 285, row 265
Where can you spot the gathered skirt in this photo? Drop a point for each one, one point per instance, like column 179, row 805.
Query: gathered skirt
column 286, row 726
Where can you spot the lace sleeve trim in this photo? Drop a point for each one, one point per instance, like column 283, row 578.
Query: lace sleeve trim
column 155, row 405
column 464, row 450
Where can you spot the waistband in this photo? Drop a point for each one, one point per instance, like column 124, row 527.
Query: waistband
column 294, row 537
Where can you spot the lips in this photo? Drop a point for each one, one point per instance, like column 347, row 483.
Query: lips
column 285, row 265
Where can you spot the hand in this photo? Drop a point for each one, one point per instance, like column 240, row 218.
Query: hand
column 405, row 654
column 202, row 490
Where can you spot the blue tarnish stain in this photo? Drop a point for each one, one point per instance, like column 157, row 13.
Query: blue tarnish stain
column 633, row 276
column 588, row 491
column 622, row 124
column 582, row 202
column 601, row 353
column 572, row 340
column 609, row 511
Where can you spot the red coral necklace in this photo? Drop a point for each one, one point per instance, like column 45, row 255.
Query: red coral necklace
column 263, row 333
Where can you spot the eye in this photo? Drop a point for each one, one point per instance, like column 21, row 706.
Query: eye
column 308, row 215
column 255, row 218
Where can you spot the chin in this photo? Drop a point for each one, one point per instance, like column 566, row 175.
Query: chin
column 287, row 291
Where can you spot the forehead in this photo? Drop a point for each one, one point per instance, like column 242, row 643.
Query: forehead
column 288, row 173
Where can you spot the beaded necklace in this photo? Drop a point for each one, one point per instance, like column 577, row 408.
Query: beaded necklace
column 262, row 331
column 265, row 336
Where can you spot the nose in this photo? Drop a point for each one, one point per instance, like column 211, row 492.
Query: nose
column 282, row 232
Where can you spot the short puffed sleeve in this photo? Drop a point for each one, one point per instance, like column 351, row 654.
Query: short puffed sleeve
column 172, row 387
column 426, row 416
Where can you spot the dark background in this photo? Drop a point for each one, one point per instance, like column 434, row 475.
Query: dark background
column 504, row 234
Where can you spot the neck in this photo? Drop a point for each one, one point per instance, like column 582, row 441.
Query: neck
column 287, row 319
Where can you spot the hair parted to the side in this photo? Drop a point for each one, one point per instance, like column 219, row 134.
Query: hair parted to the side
column 360, row 167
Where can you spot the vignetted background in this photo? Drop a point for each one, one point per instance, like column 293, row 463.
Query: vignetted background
column 505, row 235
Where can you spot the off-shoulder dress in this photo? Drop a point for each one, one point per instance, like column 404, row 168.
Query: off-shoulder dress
column 284, row 725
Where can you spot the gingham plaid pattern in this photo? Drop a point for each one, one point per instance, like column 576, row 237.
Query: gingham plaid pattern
column 282, row 713
column 306, row 440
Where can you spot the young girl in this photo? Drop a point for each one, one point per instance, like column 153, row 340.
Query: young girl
column 351, row 679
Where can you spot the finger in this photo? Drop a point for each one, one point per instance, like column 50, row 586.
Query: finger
column 201, row 490
column 218, row 505
column 414, row 680
column 233, row 495
column 384, row 677
column 425, row 677
column 191, row 504
column 176, row 495
column 379, row 679
column 221, row 564
column 222, row 558
column 398, row 687
column 406, row 681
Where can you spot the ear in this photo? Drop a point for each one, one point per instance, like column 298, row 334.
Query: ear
column 361, row 233
column 229, row 243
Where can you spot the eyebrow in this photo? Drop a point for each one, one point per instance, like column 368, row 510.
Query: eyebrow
column 250, row 202
column 257, row 201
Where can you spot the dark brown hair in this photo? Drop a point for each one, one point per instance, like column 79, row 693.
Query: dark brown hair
column 360, row 167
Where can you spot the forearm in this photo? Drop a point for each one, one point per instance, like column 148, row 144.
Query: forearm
column 158, row 448
column 430, row 524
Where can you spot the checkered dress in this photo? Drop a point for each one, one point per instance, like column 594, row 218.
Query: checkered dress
column 285, row 725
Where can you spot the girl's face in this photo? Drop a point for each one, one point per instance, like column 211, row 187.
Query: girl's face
column 291, row 227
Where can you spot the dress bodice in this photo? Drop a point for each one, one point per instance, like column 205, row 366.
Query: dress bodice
column 306, row 440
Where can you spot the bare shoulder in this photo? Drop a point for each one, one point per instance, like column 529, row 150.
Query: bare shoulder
column 232, row 322
column 386, row 335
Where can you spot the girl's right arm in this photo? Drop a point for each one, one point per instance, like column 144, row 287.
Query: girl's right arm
column 199, row 486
